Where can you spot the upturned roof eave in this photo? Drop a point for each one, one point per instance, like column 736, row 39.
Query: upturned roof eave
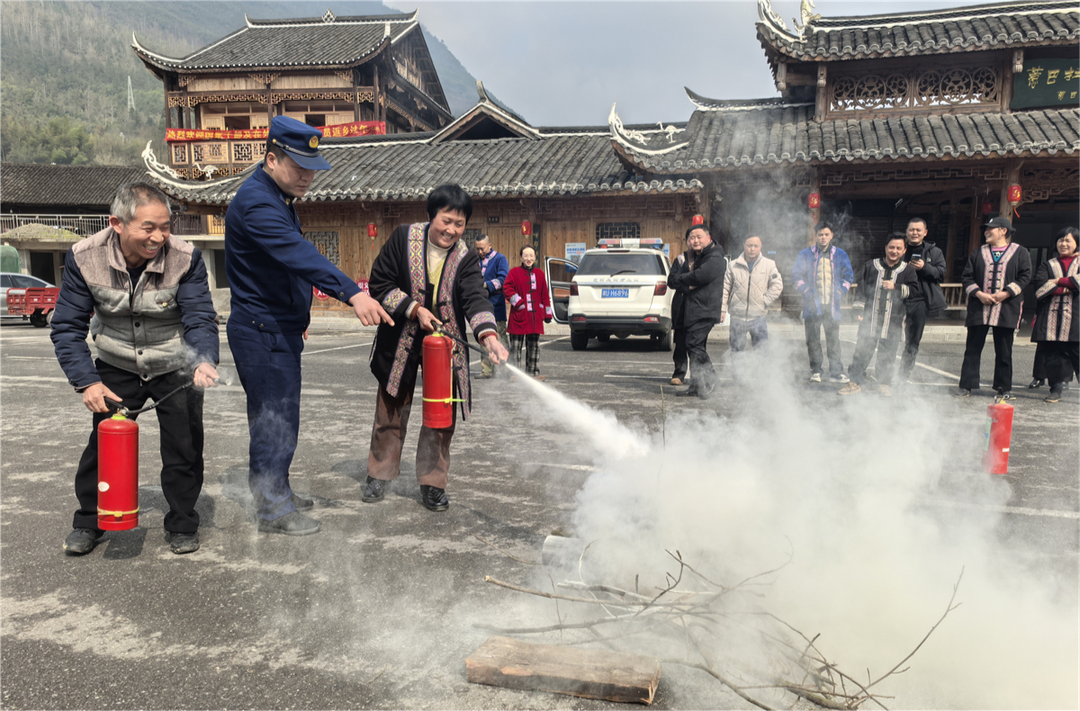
column 647, row 168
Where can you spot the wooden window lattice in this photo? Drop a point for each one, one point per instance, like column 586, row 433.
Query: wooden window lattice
column 961, row 86
column 179, row 153
column 328, row 245
column 209, row 153
column 618, row 230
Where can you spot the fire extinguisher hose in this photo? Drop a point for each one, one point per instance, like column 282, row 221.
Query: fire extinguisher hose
column 462, row 341
column 126, row 412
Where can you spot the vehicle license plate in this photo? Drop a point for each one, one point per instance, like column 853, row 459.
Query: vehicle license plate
column 614, row 293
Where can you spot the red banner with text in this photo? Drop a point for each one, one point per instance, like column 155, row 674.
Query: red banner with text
column 341, row 130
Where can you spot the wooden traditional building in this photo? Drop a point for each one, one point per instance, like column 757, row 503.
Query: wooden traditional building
column 352, row 75
column 937, row 114
column 546, row 187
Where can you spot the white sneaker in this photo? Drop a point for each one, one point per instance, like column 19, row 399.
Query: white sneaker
column 815, row 378
column 839, row 379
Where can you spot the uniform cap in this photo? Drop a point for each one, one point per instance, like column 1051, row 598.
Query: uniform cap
column 299, row 141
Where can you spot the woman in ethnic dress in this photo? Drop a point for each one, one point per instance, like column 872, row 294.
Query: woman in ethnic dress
column 1057, row 283
column 994, row 280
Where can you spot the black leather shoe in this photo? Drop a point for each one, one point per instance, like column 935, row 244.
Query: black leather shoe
column 301, row 503
column 1036, row 383
column 293, row 523
column 1002, row 396
column 181, row 543
column 690, row 392
column 374, row 490
column 82, row 540
column 434, row 498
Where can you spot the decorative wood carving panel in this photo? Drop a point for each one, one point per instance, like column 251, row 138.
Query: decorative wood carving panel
column 915, row 89
column 842, row 177
column 1047, row 183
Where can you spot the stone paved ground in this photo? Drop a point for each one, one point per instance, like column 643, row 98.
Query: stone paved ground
column 379, row 610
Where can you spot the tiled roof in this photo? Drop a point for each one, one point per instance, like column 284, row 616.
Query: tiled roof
column 265, row 44
column 996, row 26
column 383, row 169
column 718, row 138
column 75, row 185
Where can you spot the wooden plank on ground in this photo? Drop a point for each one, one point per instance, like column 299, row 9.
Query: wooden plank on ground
column 591, row 673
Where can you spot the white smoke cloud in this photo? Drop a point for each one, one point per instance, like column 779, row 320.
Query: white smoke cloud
column 880, row 505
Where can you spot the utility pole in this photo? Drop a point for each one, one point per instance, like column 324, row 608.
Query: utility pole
column 131, row 96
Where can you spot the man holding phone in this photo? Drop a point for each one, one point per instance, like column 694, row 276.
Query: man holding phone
column 925, row 301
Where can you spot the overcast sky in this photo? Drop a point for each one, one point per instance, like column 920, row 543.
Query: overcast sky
column 566, row 63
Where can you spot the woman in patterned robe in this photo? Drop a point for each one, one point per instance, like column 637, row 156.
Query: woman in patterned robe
column 424, row 277
column 1057, row 283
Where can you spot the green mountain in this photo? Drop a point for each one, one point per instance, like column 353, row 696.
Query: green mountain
column 65, row 68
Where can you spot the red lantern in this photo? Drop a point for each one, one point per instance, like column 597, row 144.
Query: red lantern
column 526, row 228
column 698, row 220
column 987, row 207
column 1015, row 194
column 372, row 230
column 814, row 201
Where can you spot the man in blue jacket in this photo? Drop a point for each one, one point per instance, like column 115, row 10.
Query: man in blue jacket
column 823, row 274
column 494, row 266
column 271, row 269
column 143, row 296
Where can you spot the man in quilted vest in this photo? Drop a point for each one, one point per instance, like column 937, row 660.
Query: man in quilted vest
column 143, row 296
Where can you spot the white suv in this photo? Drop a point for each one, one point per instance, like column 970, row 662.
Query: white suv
column 613, row 292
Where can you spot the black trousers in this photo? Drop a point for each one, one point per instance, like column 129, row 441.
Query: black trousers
column 1003, row 342
column 886, row 356
column 813, row 326
column 914, row 325
column 680, row 356
column 180, row 423
column 1062, row 361
column 697, row 336
column 1038, row 368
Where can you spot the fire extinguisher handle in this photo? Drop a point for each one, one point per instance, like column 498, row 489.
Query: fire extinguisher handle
column 114, row 405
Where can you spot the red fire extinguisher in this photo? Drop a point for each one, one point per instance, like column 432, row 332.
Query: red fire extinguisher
column 999, row 421
column 118, row 474
column 438, row 381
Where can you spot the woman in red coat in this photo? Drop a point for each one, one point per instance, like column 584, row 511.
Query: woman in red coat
column 530, row 308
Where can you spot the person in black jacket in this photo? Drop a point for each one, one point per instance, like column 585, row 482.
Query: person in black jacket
column 926, row 301
column 678, row 326
column 700, row 279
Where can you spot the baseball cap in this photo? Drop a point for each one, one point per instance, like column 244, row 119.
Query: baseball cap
column 299, row 141
column 1000, row 222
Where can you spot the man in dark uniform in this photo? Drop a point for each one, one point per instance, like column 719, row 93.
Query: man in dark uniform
column 701, row 281
column 271, row 269
column 426, row 277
